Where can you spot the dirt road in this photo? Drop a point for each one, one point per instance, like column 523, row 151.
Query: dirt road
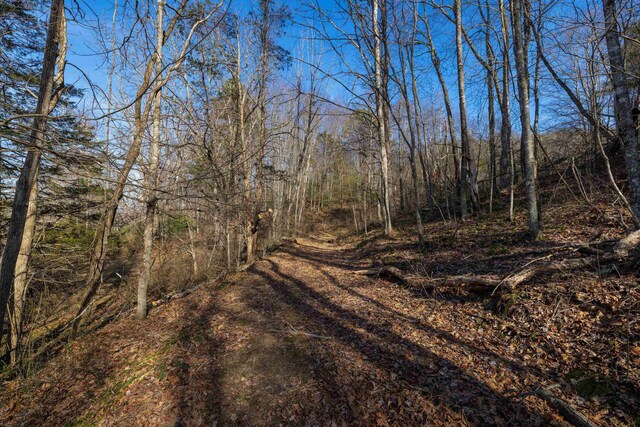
column 298, row 339
column 305, row 340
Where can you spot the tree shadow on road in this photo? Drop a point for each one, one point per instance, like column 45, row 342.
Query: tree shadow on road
column 456, row 393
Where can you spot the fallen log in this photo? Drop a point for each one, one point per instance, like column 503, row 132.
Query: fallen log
column 626, row 245
column 571, row 414
column 536, row 267
column 529, row 271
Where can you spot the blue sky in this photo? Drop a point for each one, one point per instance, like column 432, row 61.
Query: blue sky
column 84, row 59
column 82, row 39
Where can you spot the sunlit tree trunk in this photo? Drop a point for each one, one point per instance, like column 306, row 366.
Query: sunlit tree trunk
column 382, row 131
column 241, row 141
column 152, row 175
column 20, row 282
column 265, row 41
column 26, row 191
column 491, row 105
column 464, row 133
column 526, row 142
column 505, row 103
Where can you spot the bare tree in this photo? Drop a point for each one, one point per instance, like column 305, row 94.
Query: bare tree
column 152, row 172
column 406, row 57
column 506, row 169
column 527, row 143
column 381, row 116
column 466, row 157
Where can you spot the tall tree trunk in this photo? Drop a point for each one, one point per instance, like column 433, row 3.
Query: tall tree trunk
column 622, row 102
column 152, row 175
column 414, row 132
column 20, row 281
column 505, row 107
column 464, row 133
column 241, row 141
column 386, row 98
column 294, row 188
column 382, row 131
column 536, row 83
column 100, row 241
column 192, row 246
column 25, row 186
column 526, row 142
column 302, row 172
column 401, row 184
column 492, row 141
column 491, row 106
column 261, row 199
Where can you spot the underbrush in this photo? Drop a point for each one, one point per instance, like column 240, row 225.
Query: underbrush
column 56, row 287
column 578, row 330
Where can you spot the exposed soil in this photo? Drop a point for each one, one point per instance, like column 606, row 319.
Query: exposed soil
column 302, row 339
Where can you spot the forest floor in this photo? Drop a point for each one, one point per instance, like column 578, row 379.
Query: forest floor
column 301, row 338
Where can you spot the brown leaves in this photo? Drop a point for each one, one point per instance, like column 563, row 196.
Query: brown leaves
column 397, row 355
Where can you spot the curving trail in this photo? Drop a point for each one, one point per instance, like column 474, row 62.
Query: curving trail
column 308, row 342
column 298, row 339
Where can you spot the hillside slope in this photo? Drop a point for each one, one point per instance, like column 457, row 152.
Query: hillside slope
column 303, row 338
